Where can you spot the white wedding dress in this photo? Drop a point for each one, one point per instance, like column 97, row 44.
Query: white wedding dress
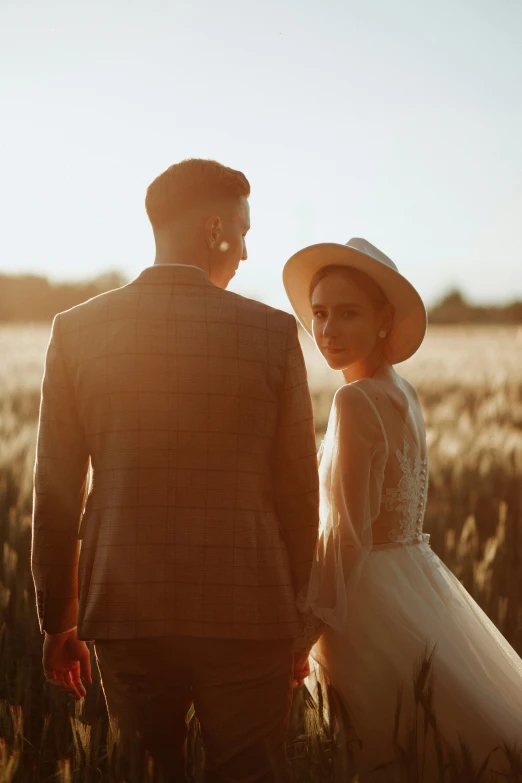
column 384, row 594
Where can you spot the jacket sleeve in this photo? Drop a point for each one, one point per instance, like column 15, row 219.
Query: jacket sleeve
column 294, row 465
column 60, row 482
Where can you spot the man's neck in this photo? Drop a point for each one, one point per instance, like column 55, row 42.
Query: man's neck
column 164, row 259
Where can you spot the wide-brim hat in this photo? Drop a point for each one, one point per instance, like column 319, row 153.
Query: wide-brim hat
column 410, row 319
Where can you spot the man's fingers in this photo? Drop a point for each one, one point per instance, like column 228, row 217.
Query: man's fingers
column 56, row 684
column 74, row 687
column 78, row 684
column 79, row 652
column 65, row 663
column 85, row 668
column 65, row 681
column 301, row 672
column 53, row 679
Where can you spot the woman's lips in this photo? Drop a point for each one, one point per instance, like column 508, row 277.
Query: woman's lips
column 332, row 349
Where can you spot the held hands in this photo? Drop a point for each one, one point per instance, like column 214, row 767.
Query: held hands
column 66, row 661
column 301, row 668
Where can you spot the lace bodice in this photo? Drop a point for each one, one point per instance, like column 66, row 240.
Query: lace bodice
column 408, row 499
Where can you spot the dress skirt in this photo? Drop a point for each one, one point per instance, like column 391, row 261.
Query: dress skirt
column 406, row 603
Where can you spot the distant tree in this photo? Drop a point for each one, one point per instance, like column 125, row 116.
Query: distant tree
column 454, row 298
column 110, row 280
column 30, row 298
column 454, row 308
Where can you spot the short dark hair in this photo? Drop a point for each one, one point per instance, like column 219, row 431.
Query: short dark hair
column 183, row 185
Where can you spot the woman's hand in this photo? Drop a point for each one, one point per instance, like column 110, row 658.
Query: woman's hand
column 301, row 668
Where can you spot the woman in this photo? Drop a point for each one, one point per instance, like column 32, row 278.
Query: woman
column 382, row 594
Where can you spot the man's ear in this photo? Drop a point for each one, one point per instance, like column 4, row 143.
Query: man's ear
column 213, row 228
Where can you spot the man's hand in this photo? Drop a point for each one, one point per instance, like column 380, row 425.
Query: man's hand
column 66, row 661
column 301, row 668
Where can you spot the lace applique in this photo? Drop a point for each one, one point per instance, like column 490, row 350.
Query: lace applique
column 311, row 629
column 409, row 498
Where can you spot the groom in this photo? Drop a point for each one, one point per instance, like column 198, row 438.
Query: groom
column 198, row 528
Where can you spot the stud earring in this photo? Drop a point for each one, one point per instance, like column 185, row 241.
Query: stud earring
column 382, row 333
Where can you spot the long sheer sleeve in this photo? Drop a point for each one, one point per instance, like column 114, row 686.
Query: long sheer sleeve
column 351, row 477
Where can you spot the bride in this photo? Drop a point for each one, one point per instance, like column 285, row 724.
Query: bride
column 378, row 594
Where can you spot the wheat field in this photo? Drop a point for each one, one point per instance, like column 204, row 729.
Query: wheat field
column 469, row 380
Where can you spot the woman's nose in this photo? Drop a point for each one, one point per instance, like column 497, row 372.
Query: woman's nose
column 329, row 329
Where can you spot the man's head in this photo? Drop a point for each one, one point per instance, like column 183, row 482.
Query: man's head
column 200, row 215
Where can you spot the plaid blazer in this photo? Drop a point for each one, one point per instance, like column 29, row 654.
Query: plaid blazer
column 176, row 443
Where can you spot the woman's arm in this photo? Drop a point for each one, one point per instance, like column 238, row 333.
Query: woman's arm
column 351, row 476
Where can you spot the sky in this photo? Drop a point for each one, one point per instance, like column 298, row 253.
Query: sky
column 399, row 122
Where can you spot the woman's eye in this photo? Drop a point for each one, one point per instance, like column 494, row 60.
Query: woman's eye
column 318, row 314
column 348, row 314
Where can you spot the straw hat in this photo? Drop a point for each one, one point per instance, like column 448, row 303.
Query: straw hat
column 410, row 321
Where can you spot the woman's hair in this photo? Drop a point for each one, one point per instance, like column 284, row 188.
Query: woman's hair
column 372, row 289
column 189, row 183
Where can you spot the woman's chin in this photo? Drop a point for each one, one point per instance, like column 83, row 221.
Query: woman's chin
column 335, row 362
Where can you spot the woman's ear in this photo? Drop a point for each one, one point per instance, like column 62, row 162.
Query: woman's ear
column 388, row 318
column 213, row 228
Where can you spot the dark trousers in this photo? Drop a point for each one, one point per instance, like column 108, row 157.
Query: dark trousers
column 241, row 690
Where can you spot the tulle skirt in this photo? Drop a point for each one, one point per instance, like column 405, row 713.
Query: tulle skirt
column 407, row 602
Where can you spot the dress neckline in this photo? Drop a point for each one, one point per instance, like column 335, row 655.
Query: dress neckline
column 406, row 416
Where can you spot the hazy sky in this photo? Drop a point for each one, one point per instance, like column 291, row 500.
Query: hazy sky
column 400, row 122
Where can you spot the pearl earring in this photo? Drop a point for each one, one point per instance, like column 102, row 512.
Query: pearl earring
column 382, row 333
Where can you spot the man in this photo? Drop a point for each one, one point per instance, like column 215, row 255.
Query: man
column 191, row 406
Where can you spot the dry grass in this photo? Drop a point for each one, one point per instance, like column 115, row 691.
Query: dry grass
column 470, row 384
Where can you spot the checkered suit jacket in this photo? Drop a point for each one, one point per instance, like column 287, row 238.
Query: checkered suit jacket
column 191, row 406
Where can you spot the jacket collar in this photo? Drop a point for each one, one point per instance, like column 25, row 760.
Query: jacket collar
column 177, row 274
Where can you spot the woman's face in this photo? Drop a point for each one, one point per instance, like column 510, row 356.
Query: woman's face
column 345, row 322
